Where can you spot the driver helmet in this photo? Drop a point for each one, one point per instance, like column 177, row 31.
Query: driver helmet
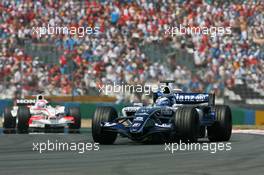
column 164, row 101
column 41, row 103
column 168, row 89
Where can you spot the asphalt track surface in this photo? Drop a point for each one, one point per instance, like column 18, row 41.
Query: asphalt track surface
column 126, row 157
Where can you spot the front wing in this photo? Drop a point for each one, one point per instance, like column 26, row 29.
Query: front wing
column 39, row 122
column 136, row 134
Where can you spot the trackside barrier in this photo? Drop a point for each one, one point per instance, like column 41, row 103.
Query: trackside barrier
column 259, row 117
column 241, row 116
column 238, row 116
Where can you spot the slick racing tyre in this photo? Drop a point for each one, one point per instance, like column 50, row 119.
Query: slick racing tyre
column 9, row 120
column 75, row 112
column 23, row 116
column 186, row 122
column 222, row 128
column 202, row 132
column 103, row 114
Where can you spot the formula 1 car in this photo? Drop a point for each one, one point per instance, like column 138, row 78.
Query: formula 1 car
column 172, row 116
column 38, row 114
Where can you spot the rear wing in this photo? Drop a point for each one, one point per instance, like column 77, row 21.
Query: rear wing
column 195, row 98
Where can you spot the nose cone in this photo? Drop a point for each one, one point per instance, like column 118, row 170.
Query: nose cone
column 136, row 127
column 141, row 116
column 52, row 112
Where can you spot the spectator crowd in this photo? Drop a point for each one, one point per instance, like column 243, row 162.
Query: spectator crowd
column 115, row 55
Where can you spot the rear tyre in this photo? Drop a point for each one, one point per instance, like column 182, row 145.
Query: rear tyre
column 75, row 112
column 186, row 122
column 103, row 114
column 222, row 128
column 9, row 120
column 202, row 132
column 23, row 116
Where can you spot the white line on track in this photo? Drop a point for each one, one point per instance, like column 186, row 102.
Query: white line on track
column 249, row 131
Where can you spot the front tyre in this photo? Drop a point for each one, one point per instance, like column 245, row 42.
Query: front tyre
column 9, row 120
column 75, row 112
column 222, row 128
column 103, row 114
column 23, row 116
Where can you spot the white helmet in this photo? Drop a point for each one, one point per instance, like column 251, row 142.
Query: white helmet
column 41, row 103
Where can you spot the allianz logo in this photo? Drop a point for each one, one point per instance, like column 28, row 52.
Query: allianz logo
column 199, row 97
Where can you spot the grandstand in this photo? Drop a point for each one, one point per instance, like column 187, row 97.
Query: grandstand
column 132, row 47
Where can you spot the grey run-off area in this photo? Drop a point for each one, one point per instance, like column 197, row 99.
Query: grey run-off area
column 126, row 157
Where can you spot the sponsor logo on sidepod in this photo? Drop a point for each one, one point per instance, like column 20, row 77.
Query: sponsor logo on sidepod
column 25, row 101
column 200, row 97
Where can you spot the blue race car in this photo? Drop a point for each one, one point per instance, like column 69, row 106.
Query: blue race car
column 172, row 116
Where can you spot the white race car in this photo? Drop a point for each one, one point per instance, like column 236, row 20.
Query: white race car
column 38, row 114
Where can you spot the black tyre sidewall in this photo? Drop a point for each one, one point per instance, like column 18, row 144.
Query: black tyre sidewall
column 221, row 130
column 9, row 120
column 75, row 112
column 186, row 122
column 103, row 114
column 23, row 116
